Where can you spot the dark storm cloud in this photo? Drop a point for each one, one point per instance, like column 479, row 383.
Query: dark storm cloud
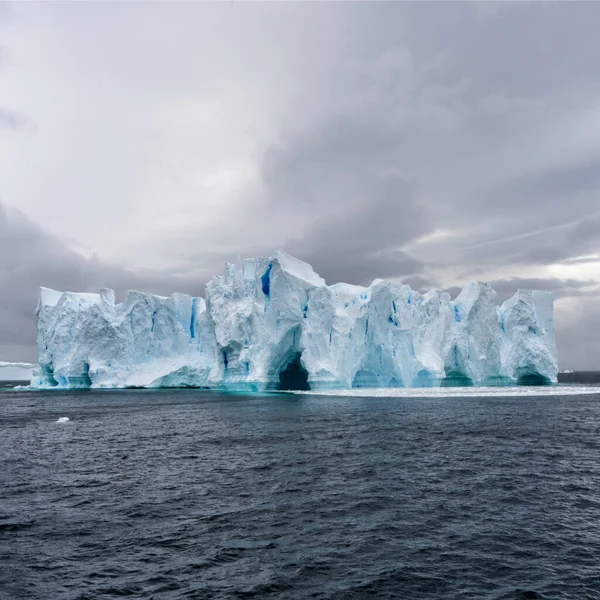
column 525, row 155
column 30, row 257
column 359, row 244
column 338, row 179
column 406, row 112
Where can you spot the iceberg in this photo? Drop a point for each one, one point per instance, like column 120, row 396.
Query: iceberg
column 16, row 371
column 274, row 324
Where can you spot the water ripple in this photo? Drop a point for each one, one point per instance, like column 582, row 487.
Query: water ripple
column 189, row 494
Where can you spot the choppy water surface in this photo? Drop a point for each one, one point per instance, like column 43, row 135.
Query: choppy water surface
column 191, row 494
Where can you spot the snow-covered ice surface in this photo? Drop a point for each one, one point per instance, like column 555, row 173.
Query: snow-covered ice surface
column 273, row 323
column 16, row 371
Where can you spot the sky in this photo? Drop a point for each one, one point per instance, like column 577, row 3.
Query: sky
column 143, row 145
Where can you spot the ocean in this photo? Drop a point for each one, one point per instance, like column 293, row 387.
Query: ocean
column 450, row 494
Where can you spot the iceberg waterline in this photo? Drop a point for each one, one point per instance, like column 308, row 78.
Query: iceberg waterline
column 273, row 323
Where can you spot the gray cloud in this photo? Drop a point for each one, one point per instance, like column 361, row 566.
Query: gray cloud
column 580, row 260
column 14, row 120
column 564, row 242
column 577, row 334
column 337, row 179
column 462, row 133
column 11, row 119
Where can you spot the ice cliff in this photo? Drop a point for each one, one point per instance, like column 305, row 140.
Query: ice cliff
column 273, row 323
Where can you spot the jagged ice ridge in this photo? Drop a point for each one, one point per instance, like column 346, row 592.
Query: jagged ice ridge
column 273, row 323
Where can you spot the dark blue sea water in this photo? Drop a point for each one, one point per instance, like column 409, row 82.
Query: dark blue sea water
column 192, row 494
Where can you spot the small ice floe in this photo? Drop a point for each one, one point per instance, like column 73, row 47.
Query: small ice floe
column 63, row 420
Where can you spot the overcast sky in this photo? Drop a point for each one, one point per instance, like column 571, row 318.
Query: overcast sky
column 144, row 144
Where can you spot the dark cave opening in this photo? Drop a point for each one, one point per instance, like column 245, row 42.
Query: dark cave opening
column 294, row 376
column 532, row 379
column 85, row 377
column 456, row 379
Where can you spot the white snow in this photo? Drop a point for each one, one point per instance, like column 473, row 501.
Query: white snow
column 298, row 268
column 265, row 315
